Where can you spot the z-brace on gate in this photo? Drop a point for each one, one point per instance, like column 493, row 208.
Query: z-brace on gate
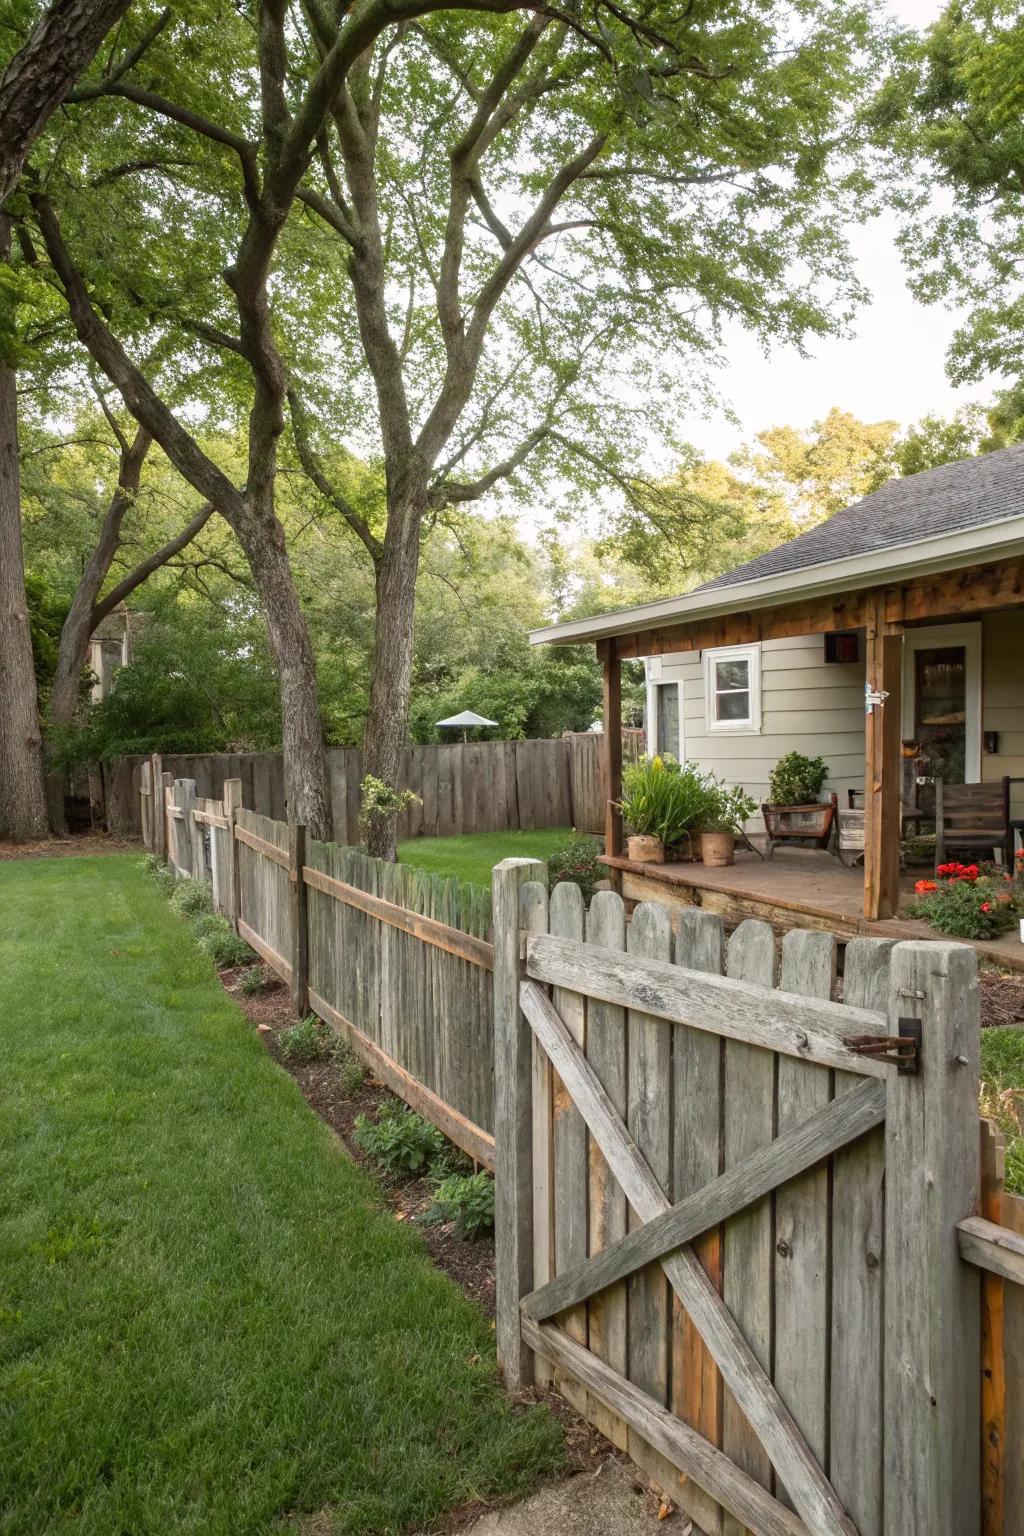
column 727, row 1210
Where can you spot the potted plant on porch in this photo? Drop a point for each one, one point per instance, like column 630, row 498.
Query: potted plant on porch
column 661, row 803
column 794, row 810
column 728, row 807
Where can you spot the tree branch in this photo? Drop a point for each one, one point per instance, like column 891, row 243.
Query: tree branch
column 138, row 395
column 151, row 563
column 315, row 470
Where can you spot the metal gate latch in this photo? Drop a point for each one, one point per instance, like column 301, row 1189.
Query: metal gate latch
column 902, row 1050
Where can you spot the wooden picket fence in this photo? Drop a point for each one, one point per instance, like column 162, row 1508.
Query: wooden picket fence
column 762, row 1257
column 729, row 1210
column 396, row 960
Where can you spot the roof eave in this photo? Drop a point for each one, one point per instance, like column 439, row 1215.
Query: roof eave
column 947, row 551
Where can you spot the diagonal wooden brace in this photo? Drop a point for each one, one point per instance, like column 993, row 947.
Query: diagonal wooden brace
column 836, row 1125
column 768, row 1416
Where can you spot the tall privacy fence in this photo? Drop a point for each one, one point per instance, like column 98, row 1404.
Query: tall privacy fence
column 479, row 786
column 755, row 1234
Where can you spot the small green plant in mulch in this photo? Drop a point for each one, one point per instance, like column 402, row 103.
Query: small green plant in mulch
column 351, row 1071
column 253, row 981
column 151, row 862
column 400, row 1143
column 190, row 897
column 218, row 939
column 468, row 1201
column 578, row 862
column 306, row 1042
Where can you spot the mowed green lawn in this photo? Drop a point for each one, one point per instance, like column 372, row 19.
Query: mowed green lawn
column 208, row 1321
column 474, row 856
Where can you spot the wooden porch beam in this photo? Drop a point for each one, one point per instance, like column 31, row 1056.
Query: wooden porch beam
column 882, row 736
column 611, row 746
column 951, row 595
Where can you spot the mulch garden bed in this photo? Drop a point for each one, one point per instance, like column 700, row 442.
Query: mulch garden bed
column 1002, row 998
column 78, row 846
column 469, row 1263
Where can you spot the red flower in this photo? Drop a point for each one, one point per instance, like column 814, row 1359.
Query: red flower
column 986, row 906
column 921, row 886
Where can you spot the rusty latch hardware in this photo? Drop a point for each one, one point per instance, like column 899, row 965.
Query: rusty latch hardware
column 903, row 1050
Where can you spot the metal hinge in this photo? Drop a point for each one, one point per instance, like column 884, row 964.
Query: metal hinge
column 902, row 1050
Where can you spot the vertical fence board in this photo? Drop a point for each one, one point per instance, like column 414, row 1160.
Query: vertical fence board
column 697, row 1084
column 567, row 918
column 858, row 1236
column 648, row 1117
column 802, row 1337
column 748, row 1247
column 932, row 1299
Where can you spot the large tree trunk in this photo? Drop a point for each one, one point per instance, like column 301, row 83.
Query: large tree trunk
column 387, row 720
column 306, row 785
column 22, row 801
column 78, row 626
column 39, row 76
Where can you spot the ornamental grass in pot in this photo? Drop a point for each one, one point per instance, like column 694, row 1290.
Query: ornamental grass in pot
column 661, row 802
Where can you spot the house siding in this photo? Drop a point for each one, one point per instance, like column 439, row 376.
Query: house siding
column 815, row 707
column 807, row 705
column 1002, row 692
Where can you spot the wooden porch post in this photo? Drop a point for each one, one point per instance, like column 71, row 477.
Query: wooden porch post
column 882, row 735
column 611, row 746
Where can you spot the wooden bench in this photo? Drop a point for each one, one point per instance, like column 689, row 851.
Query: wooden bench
column 973, row 817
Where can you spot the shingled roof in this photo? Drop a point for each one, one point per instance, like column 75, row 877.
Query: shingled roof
column 986, row 489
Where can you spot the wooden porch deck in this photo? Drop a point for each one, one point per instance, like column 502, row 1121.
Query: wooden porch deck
column 799, row 888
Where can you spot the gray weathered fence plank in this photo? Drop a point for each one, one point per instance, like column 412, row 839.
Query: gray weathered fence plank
column 749, row 1125
column 858, row 1236
column 567, row 918
column 932, row 1299
column 801, row 1346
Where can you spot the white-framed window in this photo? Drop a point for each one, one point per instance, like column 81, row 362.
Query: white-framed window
column 732, row 688
column 667, row 733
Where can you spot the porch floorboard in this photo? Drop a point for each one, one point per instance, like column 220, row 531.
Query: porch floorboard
column 797, row 888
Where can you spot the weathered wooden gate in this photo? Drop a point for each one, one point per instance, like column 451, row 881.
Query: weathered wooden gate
column 727, row 1209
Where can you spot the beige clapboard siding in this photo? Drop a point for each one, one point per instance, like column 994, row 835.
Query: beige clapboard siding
column 807, row 706
column 1002, row 692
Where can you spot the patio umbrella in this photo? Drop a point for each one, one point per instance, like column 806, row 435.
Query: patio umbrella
column 463, row 721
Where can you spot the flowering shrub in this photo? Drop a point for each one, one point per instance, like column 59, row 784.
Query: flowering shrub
column 968, row 901
column 578, row 861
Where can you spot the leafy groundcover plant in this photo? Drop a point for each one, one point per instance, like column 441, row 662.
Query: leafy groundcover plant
column 969, row 901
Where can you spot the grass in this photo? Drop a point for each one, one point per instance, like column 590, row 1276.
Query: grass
column 1002, row 1096
column 474, row 856
column 209, row 1322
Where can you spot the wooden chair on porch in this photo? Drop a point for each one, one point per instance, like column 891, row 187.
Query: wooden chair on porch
column 973, row 818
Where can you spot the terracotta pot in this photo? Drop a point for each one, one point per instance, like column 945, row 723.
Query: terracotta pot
column 719, row 848
column 646, row 850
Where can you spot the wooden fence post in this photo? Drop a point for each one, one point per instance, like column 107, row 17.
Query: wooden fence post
column 513, row 1130
column 232, row 805
column 166, row 831
column 158, row 825
column 932, row 1298
column 185, row 800
column 300, row 927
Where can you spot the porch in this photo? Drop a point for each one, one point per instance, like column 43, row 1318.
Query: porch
column 799, row 888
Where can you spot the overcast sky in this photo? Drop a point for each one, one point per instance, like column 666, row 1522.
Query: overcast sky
column 893, row 366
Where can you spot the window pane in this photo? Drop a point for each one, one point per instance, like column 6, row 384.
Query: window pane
column 732, row 674
column 668, row 718
column 733, row 706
